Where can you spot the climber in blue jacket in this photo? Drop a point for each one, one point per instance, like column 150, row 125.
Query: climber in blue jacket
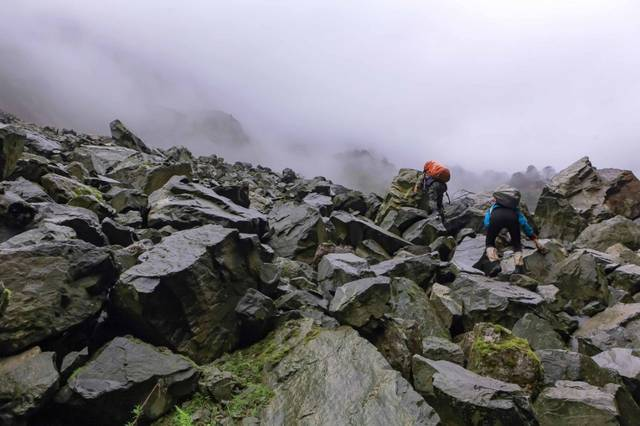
column 505, row 214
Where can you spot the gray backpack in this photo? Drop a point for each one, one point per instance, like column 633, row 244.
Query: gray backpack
column 507, row 196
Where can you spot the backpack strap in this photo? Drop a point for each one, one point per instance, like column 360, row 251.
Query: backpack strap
column 448, row 198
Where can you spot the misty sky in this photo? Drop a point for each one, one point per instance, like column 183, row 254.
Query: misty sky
column 483, row 84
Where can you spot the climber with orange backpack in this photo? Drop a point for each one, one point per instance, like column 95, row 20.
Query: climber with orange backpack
column 434, row 183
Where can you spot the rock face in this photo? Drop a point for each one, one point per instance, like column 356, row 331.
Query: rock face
column 126, row 372
column 27, row 381
column 462, row 397
column 337, row 376
column 184, row 291
column 580, row 195
column 55, row 287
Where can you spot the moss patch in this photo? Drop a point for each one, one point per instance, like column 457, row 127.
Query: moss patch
column 508, row 342
column 82, row 190
column 249, row 366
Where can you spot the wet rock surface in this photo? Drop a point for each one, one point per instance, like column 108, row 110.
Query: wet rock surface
column 142, row 285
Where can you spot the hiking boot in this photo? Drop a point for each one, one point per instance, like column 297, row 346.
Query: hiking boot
column 492, row 254
column 518, row 257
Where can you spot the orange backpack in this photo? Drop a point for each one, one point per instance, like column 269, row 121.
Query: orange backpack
column 437, row 171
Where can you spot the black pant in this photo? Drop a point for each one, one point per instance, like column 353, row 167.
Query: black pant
column 504, row 218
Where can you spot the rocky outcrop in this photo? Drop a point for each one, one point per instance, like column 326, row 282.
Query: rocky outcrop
column 602, row 235
column 184, row 292
column 581, row 195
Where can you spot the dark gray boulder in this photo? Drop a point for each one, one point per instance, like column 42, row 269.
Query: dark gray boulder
column 336, row 269
column 184, row 205
column 619, row 229
column 560, row 364
column 581, row 280
column 579, row 403
column 84, row 222
column 487, row 300
column 439, row 349
column 617, row 326
column 461, row 397
column 45, row 232
column 126, row 138
column 126, row 199
column 30, row 192
column 256, row 313
column 118, row 234
column 124, row 373
column 55, row 286
column 626, row 278
column 422, row 270
column 352, row 230
column 361, row 301
column 27, row 382
column 538, row 332
column 184, row 291
column 296, row 231
column 626, row 363
column 425, row 231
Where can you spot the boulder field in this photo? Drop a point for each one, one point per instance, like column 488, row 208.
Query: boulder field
column 144, row 286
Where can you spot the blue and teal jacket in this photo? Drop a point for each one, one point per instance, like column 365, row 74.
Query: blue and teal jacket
column 528, row 230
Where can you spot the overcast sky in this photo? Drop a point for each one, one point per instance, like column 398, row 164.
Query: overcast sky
column 484, row 84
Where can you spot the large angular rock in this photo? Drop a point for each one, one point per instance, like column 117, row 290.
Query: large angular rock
column 581, row 280
column 623, row 254
column 358, row 302
column 487, row 300
column 12, row 143
column 148, row 173
column 184, row 291
column 336, row 269
column 579, row 403
column 538, row 332
column 626, row 363
column 423, row 270
column 468, row 254
column 45, row 232
column 468, row 212
column 410, row 302
column 580, row 195
column 447, row 309
column 256, row 313
column 27, row 381
column 425, row 231
column 617, row 326
column 352, row 230
column 538, row 265
column 100, row 158
column 462, row 397
column 15, row 213
column 619, row 229
column 55, row 286
column 559, row 364
column 336, row 378
column 125, row 137
column 123, row 374
column 27, row 190
column 84, row 222
column 184, row 205
column 124, row 200
column 296, row 231
column 627, row 278
column 398, row 221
